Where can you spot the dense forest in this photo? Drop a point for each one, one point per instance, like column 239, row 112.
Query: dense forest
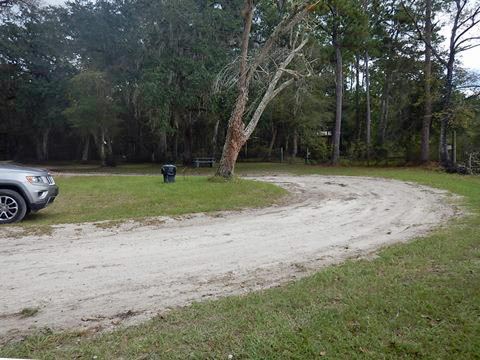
column 332, row 80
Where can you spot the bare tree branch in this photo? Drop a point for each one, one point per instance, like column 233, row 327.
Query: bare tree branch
column 474, row 23
column 420, row 35
column 282, row 28
column 272, row 90
column 468, row 47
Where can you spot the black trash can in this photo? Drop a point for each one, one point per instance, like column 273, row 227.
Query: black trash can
column 169, row 172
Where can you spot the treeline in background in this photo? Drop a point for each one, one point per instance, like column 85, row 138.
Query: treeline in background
column 138, row 80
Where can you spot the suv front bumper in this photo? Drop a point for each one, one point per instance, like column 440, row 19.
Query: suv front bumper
column 44, row 197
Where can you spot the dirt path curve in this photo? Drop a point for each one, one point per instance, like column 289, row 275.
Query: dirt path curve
column 83, row 276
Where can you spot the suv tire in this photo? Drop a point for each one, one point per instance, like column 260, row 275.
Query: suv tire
column 13, row 207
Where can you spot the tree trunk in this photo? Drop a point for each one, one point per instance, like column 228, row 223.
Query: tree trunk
column 101, row 147
column 235, row 137
column 427, row 117
column 109, row 158
column 295, row 144
column 45, row 137
column 368, row 124
column 295, row 118
column 447, row 101
column 39, row 150
column 188, row 141
column 339, row 100
column 454, row 148
column 86, row 148
column 176, row 126
column 358, row 129
column 175, row 148
column 382, row 124
column 42, row 145
column 215, row 137
column 109, row 146
column 162, row 146
column 443, row 144
column 233, row 141
column 272, row 142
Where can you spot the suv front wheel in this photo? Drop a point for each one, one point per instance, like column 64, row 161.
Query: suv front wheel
column 13, row 207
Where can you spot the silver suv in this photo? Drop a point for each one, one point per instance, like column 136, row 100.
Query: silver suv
column 23, row 190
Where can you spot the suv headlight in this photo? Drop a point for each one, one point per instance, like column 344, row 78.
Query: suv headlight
column 35, row 180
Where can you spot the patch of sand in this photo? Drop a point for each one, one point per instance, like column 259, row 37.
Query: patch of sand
column 88, row 276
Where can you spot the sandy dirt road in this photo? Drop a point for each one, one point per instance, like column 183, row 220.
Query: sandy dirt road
column 86, row 276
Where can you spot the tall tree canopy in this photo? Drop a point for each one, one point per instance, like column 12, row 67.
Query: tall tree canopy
column 141, row 80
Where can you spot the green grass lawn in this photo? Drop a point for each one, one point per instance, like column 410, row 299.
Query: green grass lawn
column 99, row 198
column 415, row 300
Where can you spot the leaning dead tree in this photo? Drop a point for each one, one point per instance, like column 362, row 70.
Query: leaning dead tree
column 239, row 128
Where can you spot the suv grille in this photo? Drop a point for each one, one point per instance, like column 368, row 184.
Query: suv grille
column 50, row 180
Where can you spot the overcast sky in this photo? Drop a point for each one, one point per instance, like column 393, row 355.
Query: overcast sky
column 470, row 59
